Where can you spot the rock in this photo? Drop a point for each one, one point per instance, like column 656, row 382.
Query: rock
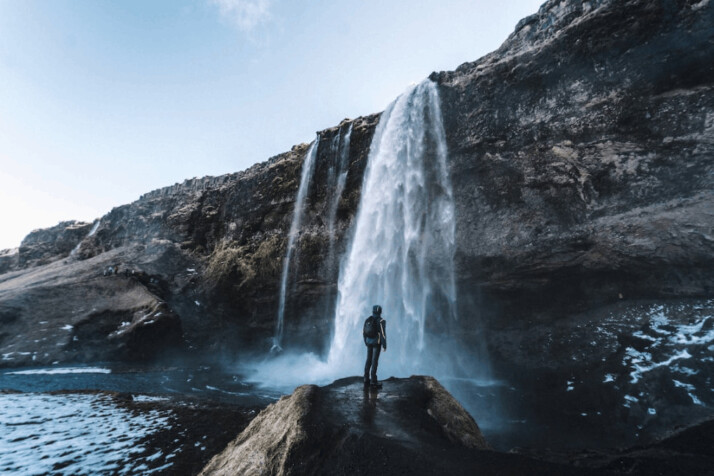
column 414, row 426
column 410, row 426
column 216, row 241
column 9, row 260
column 568, row 185
column 72, row 312
column 49, row 244
column 686, row 451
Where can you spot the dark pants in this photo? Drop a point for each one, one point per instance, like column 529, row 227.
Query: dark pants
column 373, row 352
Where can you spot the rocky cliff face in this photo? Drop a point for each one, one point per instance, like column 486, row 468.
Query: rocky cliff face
column 581, row 157
column 44, row 246
column 203, row 256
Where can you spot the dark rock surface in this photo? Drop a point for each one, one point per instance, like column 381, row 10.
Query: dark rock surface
column 413, row 426
column 44, row 246
column 410, row 426
column 685, row 452
column 582, row 163
column 581, row 156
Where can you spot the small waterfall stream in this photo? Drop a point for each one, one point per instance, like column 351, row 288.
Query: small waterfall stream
column 402, row 251
column 305, row 178
column 94, row 229
column 337, row 178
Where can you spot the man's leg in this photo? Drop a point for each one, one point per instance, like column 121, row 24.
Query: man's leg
column 367, row 364
column 376, row 350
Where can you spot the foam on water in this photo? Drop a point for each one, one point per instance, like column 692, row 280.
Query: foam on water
column 671, row 340
column 61, row 370
column 72, row 434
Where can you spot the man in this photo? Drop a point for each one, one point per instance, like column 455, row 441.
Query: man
column 375, row 338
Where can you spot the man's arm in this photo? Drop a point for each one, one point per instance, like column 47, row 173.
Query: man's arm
column 383, row 323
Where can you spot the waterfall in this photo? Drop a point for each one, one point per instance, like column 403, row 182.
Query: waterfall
column 401, row 255
column 337, row 178
column 74, row 251
column 305, row 177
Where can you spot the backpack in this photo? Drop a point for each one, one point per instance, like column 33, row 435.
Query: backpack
column 371, row 327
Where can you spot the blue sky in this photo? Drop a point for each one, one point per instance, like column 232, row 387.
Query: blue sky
column 101, row 101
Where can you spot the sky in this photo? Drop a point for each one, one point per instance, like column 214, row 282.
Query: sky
column 101, row 101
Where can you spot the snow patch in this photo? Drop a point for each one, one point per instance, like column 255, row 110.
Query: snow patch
column 148, row 398
column 690, row 391
column 700, row 5
column 642, row 362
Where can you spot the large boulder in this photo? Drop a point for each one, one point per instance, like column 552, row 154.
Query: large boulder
column 410, row 426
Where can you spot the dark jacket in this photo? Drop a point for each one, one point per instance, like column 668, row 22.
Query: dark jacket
column 381, row 338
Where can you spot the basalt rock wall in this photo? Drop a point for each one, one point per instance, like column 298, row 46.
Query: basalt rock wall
column 200, row 261
column 581, row 156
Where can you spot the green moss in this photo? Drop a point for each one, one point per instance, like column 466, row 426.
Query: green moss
column 313, row 246
column 268, row 257
column 228, row 264
column 242, row 267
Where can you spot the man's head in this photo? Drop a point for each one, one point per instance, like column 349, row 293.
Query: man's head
column 377, row 310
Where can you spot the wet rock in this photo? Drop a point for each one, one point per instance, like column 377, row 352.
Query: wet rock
column 209, row 249
column 414, row 426
column 344, row 428
column 684, row 452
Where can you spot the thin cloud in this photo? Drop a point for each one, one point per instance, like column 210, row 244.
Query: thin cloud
column 246, row 15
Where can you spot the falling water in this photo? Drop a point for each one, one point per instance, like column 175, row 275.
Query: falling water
column 402, row 250
column 74, row 251
column 337, row 180
column 307, row 168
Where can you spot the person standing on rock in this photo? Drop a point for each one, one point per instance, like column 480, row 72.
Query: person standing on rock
column 375, row 338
